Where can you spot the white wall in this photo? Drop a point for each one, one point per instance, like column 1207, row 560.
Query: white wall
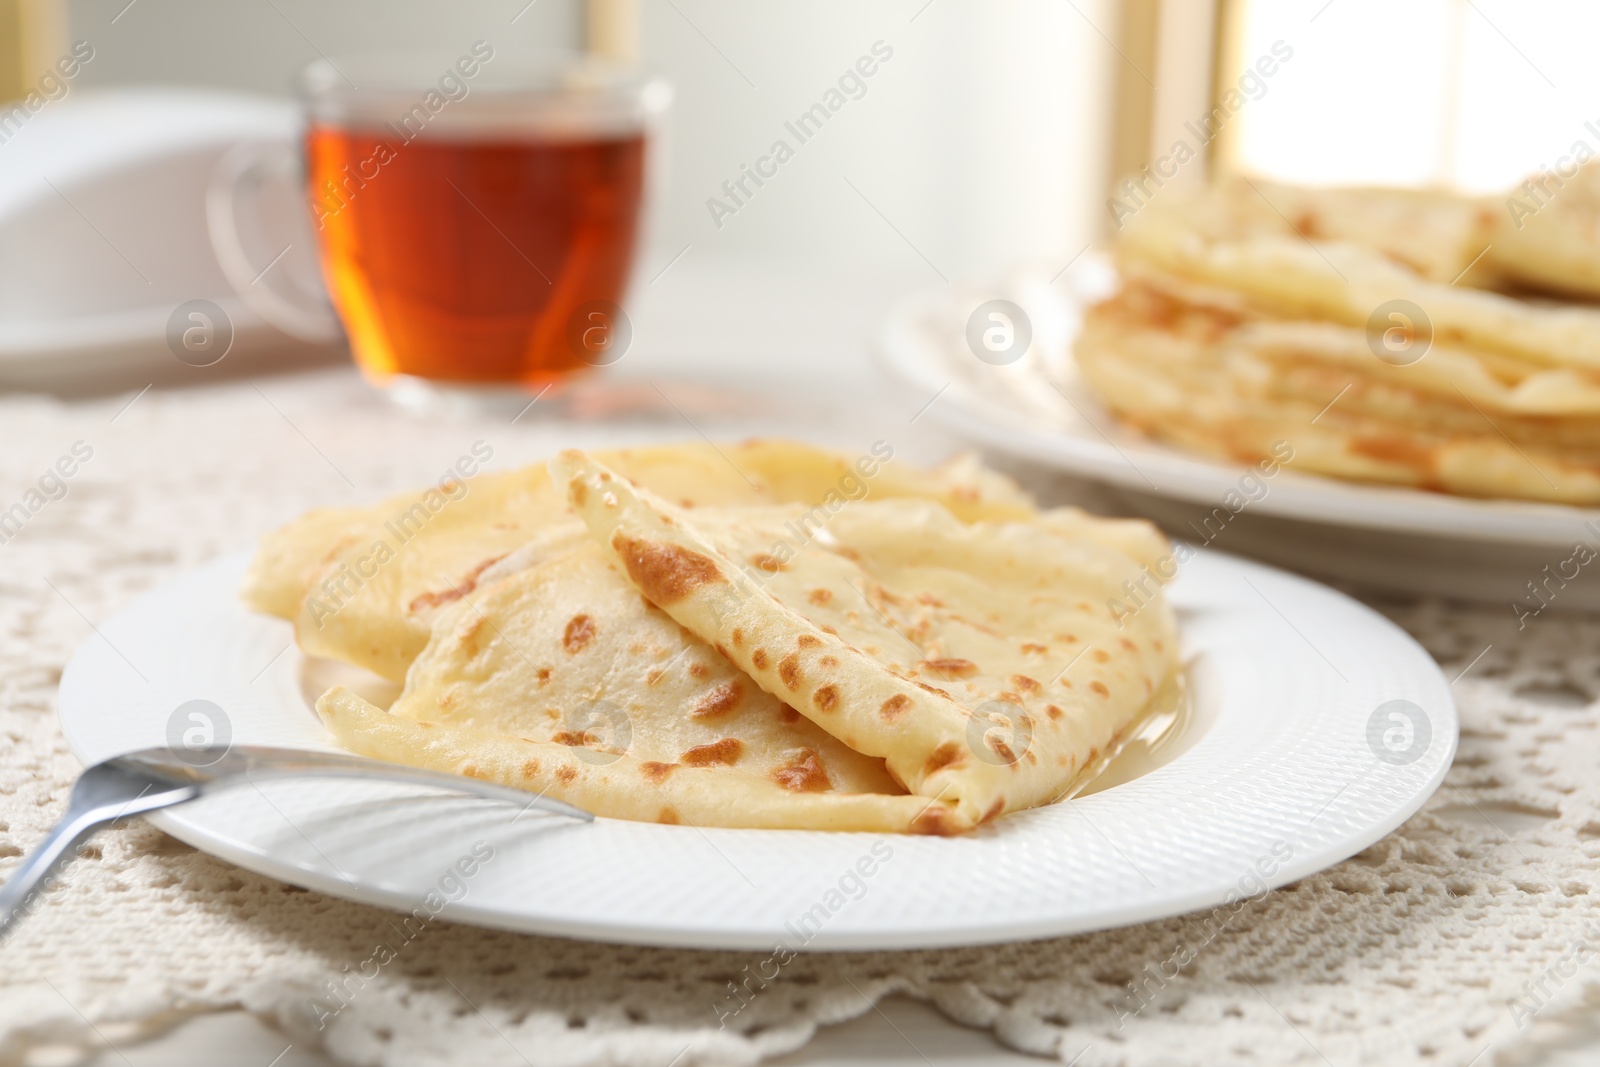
column 981, row 140
column 257, row 45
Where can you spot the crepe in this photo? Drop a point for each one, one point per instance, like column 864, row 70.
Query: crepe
column 562, row 679
column 363, row 584
column 1218, row 371
column 1547, row 234
column 1341, row 329
column 985, row 663
column 1346, row 283
column 627, row 788
column 1431, row 233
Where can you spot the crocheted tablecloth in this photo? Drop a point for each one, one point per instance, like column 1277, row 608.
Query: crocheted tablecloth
column 1470, row 928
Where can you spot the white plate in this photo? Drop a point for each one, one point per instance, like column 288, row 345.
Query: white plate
column 1272, row 777
column 1017, row 409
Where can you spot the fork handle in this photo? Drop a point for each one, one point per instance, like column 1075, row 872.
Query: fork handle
column 31, row 879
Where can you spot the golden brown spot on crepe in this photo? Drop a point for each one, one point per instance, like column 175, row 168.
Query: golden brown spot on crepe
column 895, row 707
column 1001, row 749
column 472, row 771
column 847, row 552
column 770, row 564
column 807, row 641
column 828, row 661
column 819, row 596
column 467, row 584
column 1129, row 645
column 425, row 725
column 567, row 773
column 936, row 692
column 448, row 699
column 664, row 573
column 579, row 632
column 530, row 768
column 1100, row 655
column 738, row 637
column 1033, row 648
column 1100, row 687
column 789, row 670
column 758, row 659
column 1030, row 757
column 668, row 816
column 654, row 676
column 803, row 774
column 578, row 492
column 543, row 674
column 724, row 751
column 656, row 772
column 829, row 630
column 1024, row 683
column 721, row 700
column 699, row 670
column 573, row 738
column 995, row 809
column 826, row 698
column 946, row 755
column 930, row 600
column 788, row 715
column 937, row 820
column 951, row 667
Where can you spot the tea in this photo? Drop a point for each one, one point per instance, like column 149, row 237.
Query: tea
column 475, row 261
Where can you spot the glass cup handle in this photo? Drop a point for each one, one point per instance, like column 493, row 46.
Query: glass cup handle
column 247, row 166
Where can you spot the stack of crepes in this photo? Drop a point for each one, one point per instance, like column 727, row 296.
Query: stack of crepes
column 762, row 635
column 1406, row 337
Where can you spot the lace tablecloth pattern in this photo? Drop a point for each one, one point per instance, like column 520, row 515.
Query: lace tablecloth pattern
column 1455, row 940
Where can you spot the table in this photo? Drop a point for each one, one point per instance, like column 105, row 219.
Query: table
column 789, row 347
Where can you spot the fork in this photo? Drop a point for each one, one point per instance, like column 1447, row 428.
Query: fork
column 155, row 778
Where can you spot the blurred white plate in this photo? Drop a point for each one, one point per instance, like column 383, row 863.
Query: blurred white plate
column 104, row 236
column 1290, row 759
column 1038, row 409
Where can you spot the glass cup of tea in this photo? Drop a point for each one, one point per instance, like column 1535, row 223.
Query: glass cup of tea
column 477, row 215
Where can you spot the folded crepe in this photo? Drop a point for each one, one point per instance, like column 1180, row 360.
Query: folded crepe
column 987, row 664
column 562, row 679
column 363, row 584
column 1344, row 282
column 1547, row 234
column 1432, row 233
column 880, row 666
column 1254, row 331
column 1206, row 369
